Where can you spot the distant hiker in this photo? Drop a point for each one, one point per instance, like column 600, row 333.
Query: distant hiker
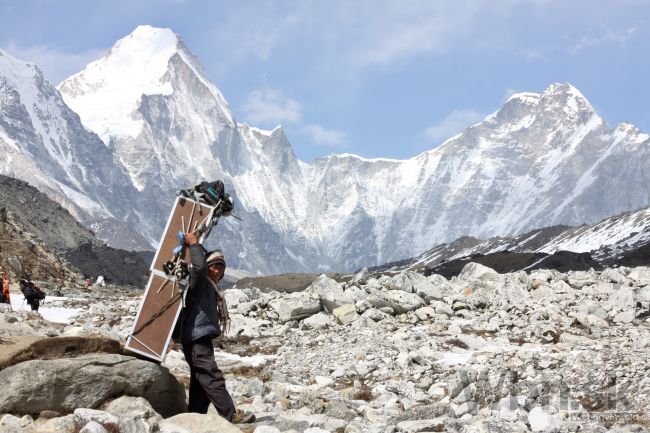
column 33, row 294
column 100, row 281
column 204, row 317
column 5, row 296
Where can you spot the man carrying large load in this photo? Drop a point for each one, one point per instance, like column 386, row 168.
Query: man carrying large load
column 183, row 295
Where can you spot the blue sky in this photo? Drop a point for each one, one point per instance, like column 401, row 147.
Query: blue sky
column 372, row 77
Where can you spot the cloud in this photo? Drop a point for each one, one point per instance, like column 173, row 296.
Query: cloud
column 325, row 137
column 356, row 34
column 268, row 106
column 534, row 54
column 255, row 29
column 451, row 125
column 619, row 37
column 56, row 65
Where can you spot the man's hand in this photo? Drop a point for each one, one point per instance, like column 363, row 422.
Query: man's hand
column 191, row 239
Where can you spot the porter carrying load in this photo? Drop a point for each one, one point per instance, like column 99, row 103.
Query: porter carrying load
column 196, row 210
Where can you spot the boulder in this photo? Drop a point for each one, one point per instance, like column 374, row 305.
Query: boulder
column 135, row 414
column 235, row 297
column 93, row 427
column 495, row 426
column 622, row 300
column 399, row 301
column 359, row 278
column 318, row 320
column 296, row 306
column 580, row 279
column 476, row 271
column 332, row 294
column 346, row 314
column 422, row 425
column 541, row 420
column 640, row 275
column 426, row 288
column 624, row 317
column 64, row 385
column 20, row 349
column 197, row 423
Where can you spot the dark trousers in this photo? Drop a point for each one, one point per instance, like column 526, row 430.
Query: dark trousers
column 207, row 383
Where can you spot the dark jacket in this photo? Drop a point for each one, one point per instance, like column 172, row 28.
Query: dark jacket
column 200, row 317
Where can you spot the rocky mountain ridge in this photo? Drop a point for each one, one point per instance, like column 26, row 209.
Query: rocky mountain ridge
column 617, row 241
column 41, row 240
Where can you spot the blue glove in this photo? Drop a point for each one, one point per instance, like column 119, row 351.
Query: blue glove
column 181, row 244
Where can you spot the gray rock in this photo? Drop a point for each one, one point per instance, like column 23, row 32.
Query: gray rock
column 541, row 420
column 422, row 425
column 360, row 277
column 295, row 306
column 346, row 314
column 640, row 275
column 469, row 407
column 59, row 425
column 197, row 423
column 458, row 382
column 318, row 320
column 580, row 279
column 135, row 414
column 235, row 297
column 93, row 427
column 495, row 426
column 475, row 271
column 266, row 429
column 104, row 419
column 332, row 294
column 400, row 301
column 624, row 317
column 64, row 385
column 15, row 263
column 623, row 299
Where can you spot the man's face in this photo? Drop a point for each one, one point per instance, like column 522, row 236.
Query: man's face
column 215, row 272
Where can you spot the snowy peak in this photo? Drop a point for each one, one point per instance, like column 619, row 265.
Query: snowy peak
column 17, row 72
column 137, row 62
column 150, row 61
column 563, row 96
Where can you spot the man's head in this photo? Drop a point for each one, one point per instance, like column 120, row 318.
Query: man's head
column 216, row 265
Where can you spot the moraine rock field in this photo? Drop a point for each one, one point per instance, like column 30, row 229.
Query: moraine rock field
column 479, row 353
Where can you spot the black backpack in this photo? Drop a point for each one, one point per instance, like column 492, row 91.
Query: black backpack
column 212, row 193
column 28, row 291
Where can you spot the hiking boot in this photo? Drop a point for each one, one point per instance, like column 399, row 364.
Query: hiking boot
column 241, row 417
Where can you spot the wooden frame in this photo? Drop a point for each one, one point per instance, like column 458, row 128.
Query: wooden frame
column 163, row 296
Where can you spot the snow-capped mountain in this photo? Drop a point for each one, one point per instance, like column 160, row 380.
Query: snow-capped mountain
column 43, row 142
column 542, row 159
